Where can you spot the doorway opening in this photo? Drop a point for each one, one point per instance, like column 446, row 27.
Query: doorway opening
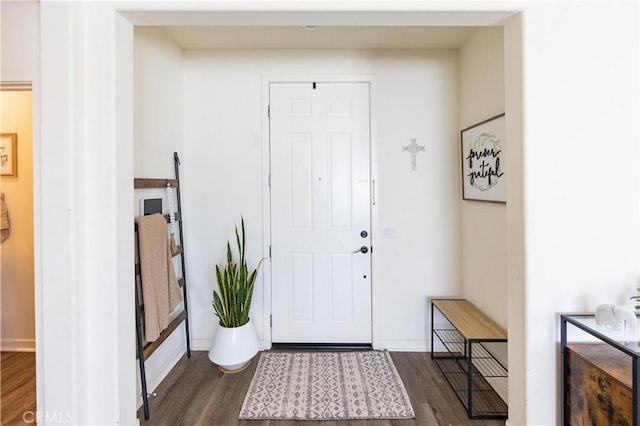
column 17, row 282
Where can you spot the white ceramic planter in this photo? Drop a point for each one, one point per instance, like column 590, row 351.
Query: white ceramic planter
column 233, row 348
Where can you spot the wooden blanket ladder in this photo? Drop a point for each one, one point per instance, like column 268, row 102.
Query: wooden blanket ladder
column 144, row 350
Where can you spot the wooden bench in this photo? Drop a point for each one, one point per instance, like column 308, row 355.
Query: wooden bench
column 468, row 363
column 472, row 323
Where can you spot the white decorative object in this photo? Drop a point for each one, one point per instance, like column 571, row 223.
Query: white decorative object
column 413, row 149
column 233, row 348
column 618, row 317
column 172, row 214
column 173, row 246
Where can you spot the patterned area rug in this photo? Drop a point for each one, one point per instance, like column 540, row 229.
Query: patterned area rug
column 326, row 386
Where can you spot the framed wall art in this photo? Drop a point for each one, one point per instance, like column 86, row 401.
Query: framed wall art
column 9, row 154
column 483, row 161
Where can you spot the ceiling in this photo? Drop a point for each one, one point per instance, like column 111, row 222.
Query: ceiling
column 317, row 37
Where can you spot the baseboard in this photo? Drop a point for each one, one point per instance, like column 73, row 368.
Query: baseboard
column 18, row 345
column 201, row 344
column 323, row 346
column 390, row 345
column 403, row 345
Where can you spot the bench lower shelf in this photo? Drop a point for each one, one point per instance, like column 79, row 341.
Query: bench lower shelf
column 485, row 403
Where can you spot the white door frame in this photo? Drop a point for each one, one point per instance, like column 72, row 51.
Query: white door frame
column 266, row 194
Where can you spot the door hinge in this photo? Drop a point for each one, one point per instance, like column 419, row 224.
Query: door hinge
column 269, row 111
column 269, row 180
column 270, row 320
column 269, row 252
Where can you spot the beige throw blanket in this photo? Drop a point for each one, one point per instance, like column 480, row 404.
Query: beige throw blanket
column 160, row 291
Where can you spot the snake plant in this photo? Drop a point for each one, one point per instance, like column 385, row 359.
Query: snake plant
column 235, row 283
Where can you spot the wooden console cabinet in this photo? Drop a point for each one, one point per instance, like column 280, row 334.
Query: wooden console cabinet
column 598, row 385
column 599, row 374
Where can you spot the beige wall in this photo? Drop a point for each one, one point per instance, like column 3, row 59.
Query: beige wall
column 483, row 224
column 17, row 274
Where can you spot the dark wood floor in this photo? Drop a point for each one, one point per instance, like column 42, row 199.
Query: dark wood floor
column 18, row 387
column 197, row 393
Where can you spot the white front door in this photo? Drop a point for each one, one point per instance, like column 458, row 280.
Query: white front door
column 320, row 213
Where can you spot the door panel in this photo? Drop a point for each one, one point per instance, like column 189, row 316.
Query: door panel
column 300, row 181
column 340, row 271
column 340, row 178
column 301, row 273
column 321, row 290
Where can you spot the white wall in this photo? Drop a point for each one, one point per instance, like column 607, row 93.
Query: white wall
column 414, row 94
column 483, row 224
column 158, row 95
column 20, row 29
column 158, row 133
column 417, row 97
column 581, row 178
column 86, row 244
column 16, row 253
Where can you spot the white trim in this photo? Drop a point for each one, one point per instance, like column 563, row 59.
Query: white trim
column 123, row 129
column 374, row 212
column 266, row 215
column 37, row 235
column 403, row 345
column 201, row 344
column 15, row 85
column 319, row 78
column 18, row 345
column 325, row 13
column 266, row 343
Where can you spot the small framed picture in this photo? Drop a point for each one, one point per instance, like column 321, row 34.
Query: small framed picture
column 9, row 154
column 484, row 171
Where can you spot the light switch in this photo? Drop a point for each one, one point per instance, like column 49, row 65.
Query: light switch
column 388, row 232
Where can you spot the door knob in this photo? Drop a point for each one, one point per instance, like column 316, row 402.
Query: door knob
column 363, row 249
